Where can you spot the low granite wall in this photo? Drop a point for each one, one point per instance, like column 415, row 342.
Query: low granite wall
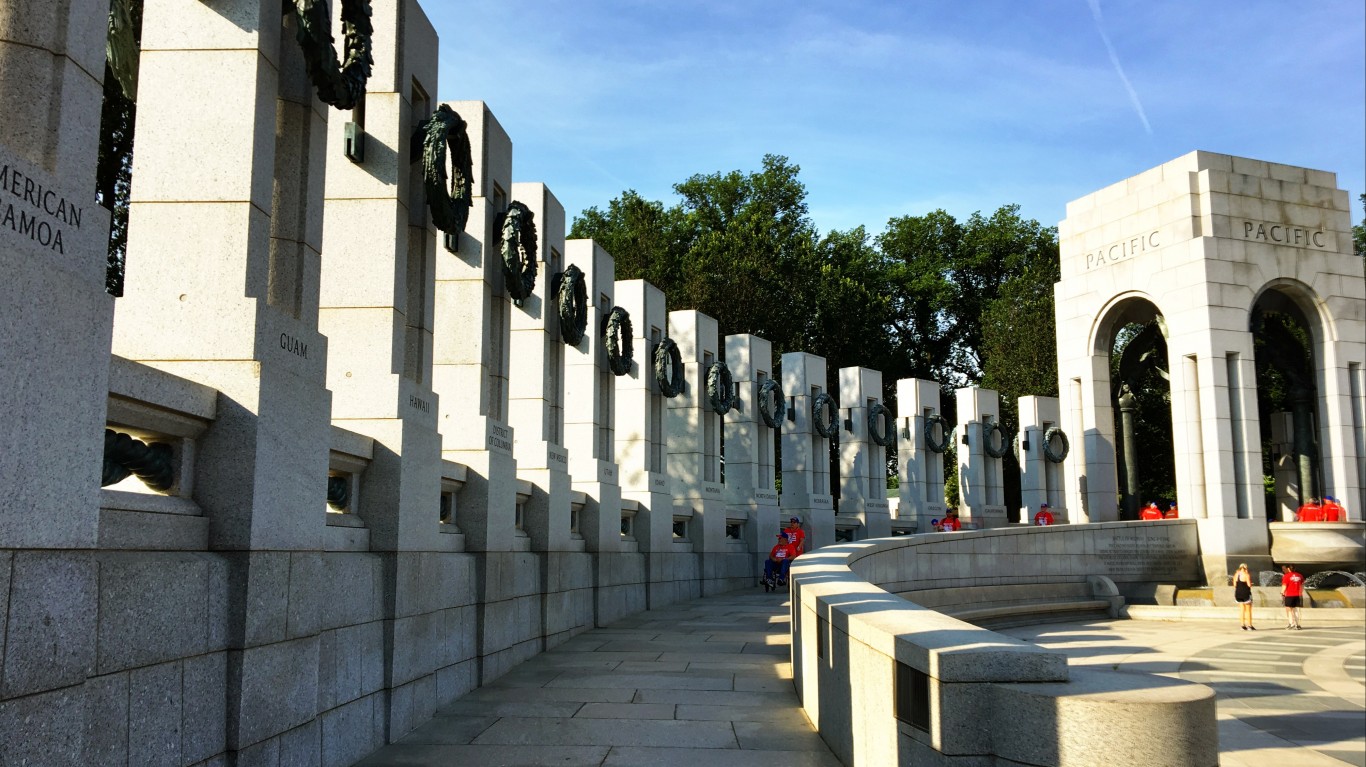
column 887, row 681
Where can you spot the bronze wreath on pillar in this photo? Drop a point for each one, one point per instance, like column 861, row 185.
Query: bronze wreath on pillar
column 995, row 452
column 879, row 416
column 772, row 414
column 450, row 208
column 720, row 388
column 341, row 84
column 1056, row 456
column 825, row 418
column 941, row 444
column 572, row 297
column 669, row 368
column 517, row 242
column 617, row 337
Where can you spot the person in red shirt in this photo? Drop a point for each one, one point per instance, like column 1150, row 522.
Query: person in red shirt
column 796, row 536
column 1292, row 594
column 1332, row 510
column 1044, row 517
column 779, row 559
column 1171, row 513
column 951, row 523
column 1310, row 512
column 1150, row 512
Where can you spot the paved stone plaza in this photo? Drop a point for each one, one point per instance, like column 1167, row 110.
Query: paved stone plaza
column 709, row 682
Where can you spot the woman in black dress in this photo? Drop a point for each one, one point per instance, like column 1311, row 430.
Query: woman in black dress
column 1242, row 594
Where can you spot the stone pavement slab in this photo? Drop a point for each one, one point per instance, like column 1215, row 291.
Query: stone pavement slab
column 707, row 682
column 1285, row 698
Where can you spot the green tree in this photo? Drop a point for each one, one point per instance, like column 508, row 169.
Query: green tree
column 1359, row 231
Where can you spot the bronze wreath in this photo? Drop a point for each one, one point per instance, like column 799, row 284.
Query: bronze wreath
column 341, row 84
column 572, row 298
column 880, row 414
column 125, row 455
column 994, row 452
column 517, row 242
column 338, row 493
column 669, row 368
column 720, row 388
column 1048, row 452
column 937, row 445
column 617, row 337
column 450, row 207
column 772, row 392
column 824, row 405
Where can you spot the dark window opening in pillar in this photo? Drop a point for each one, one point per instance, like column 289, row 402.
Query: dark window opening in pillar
column 114, row 173
column 655, row 427
column 712, row 445
column 420, row 269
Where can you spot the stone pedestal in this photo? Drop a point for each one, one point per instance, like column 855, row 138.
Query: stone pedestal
column 920, row 470
column 751, row 494
column 470, row 376
column 222, row 288
column 806, row 454
column 590, row 389
column 536, row 415
column 642, row 452
column 981, row 488
column 694, row 429
column 377, row 310
column 1041, row 480
column 863, row 462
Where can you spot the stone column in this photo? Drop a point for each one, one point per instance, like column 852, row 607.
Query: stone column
column 536, row 415
column 590, row 433
column 863, row 462
column 378, row 270
column 222, row 288
column 1041, row 480
column 695, row 448
column 806, row 454
column 54, row 381
column 53, row 242
column 980, row 481
column 751, row 446
column 470, row 376
column 920, row 470
column 642, row 451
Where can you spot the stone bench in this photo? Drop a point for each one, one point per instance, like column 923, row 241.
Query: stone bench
column 1023, row 603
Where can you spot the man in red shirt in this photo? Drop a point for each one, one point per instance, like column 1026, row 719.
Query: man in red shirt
column 1332, row 510
column 951, row 522
column 1310, row 512
column 796, row 536
column 779, row 559
column 1292, row 594
column 1150, row 512
column 1171, row 513
column 1044, row 517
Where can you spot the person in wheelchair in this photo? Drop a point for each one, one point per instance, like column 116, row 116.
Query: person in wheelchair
column 779, row 559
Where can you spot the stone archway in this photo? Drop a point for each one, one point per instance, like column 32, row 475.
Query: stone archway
column 1213, row 241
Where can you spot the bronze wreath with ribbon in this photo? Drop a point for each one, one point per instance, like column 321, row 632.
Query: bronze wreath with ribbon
column 617, row 338
column 1048, row 451
column 880, row 415
column 517, row 242
column 341, row 84
column 450, row 207
column 572, row 298
column 772, row 415
column 937, row 445
column 825, row 416
column 720, row 388
column 669, row 368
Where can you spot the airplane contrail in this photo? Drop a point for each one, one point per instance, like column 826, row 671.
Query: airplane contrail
column 1114, row 59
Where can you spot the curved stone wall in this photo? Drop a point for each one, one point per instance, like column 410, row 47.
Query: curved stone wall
column 888, row 681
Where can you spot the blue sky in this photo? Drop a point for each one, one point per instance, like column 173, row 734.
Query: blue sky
column 899, row 107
